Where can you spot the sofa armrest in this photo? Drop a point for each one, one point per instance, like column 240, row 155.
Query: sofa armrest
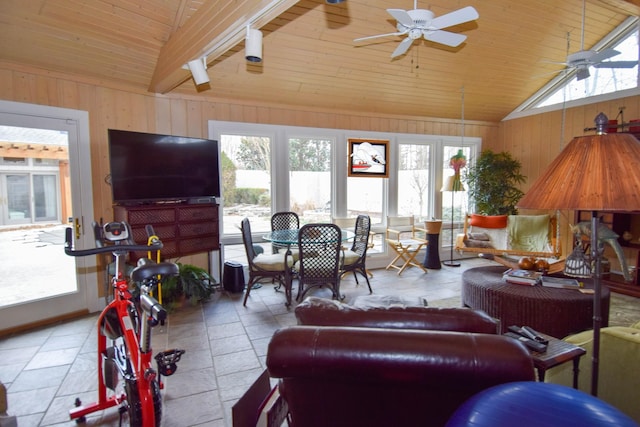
column 325, row 312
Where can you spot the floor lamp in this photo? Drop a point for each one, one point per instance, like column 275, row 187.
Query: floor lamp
column 452, row 184
column 596, row 173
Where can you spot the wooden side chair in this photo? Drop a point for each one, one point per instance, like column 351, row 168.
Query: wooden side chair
column 353, row 259
column 402, row 237
column 261, row 266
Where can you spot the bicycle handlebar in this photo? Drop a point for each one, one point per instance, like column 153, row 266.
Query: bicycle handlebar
column 99, row 249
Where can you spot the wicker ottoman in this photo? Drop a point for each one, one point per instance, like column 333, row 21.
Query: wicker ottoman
column 555, row 312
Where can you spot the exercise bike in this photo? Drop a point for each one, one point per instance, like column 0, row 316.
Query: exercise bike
column 126, row 377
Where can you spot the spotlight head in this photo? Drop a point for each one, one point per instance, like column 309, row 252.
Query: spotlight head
column 198, row 70
column 253, row 45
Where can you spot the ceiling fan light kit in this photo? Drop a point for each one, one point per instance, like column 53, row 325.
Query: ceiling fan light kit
column 419, row 23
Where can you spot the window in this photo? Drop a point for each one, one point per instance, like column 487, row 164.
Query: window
column 268, row 168
column 246, row 181
column 310, row 178
column 414, row 180
column 601, row 80
column 566, row 88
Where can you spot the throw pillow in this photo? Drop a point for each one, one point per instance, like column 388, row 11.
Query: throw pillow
column 529, row 233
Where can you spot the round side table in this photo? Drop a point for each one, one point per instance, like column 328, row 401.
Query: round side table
column 432, row 255
column 555, row 312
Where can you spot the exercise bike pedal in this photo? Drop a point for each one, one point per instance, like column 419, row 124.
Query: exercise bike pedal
column 82, row 419
column 167, row 361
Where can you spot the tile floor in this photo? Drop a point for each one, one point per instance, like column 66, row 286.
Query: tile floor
column 46, row 369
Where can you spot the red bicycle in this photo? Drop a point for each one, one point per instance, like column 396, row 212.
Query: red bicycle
column 126, row 377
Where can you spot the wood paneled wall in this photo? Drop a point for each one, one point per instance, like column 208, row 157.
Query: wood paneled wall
column 534, row 140
column 537, row 140
column 112, row 106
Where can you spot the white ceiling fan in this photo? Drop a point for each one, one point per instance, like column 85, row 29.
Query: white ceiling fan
column 582, row 60
column 418, row 23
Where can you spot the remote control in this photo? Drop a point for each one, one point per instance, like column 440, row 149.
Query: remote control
column 529, row 332
column 532, row 344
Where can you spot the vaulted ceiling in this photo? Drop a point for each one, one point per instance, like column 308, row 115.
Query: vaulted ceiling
column 309, row 57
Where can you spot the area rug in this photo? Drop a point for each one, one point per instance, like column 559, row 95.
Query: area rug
column 624, row 310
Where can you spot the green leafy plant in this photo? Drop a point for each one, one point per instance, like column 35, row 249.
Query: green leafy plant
column 194, row 283
column 492, row 183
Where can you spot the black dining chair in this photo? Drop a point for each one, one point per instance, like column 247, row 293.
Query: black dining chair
column 261, row 266
column 283, row 221
column 353, row 260
column 319, row 247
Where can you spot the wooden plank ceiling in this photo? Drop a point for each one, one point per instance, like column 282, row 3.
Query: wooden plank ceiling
column 309, row 55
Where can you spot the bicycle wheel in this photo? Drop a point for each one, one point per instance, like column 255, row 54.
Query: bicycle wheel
column 157, row 401
column 134, row 407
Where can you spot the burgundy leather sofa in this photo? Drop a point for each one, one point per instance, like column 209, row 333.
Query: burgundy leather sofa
column 391, row 376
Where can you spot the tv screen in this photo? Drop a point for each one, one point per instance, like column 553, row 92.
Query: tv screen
column 147, row 167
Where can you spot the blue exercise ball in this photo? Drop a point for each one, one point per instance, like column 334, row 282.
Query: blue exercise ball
column 529, row 403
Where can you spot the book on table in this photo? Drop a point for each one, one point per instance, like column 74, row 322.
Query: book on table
column 560, row 282
column 522, row 277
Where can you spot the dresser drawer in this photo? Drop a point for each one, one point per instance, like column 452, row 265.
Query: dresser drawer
column 198, row 213
column 198, row 229
column 164, row 232
column 151, row 216
column 197, row 245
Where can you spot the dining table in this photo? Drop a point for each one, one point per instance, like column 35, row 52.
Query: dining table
column 290, row 237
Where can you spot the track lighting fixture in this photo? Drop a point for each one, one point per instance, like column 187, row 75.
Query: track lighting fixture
column 253, row 45
column 198, row 68
column 334, row 1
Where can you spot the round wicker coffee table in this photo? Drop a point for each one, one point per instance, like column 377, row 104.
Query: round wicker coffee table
column 555, row 312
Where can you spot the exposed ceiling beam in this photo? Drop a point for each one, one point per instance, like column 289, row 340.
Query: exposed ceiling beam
column 216, row 27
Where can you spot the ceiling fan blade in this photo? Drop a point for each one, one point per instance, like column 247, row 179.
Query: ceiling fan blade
column 583, row 73
column 605, row 54
column 616, row 64
column 456, row 17
column 380, row 35
column 401, row 16
column 402, row 47
column 444, row 37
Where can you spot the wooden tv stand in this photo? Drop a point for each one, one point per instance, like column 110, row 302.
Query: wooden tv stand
column 185, row 229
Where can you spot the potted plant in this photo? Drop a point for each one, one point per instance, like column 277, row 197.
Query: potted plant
column 192, row 283
column 492, row 183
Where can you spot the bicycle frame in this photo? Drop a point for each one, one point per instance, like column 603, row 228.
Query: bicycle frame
column 131, row 355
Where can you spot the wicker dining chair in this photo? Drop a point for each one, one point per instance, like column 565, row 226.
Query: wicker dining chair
column 354, row 259
column 319, row 247
column 261, row 266
column 283, row 221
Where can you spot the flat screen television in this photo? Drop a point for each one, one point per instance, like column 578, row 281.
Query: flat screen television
column 150, row 168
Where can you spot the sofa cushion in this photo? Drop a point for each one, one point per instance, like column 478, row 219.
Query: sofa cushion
column 529, row 233
column 324, row 312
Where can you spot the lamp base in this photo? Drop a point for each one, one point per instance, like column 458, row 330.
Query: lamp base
column 451, row 263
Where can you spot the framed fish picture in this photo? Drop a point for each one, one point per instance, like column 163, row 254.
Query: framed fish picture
column 368, row 158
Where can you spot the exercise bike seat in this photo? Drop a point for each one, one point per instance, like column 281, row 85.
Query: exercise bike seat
column 147, row 269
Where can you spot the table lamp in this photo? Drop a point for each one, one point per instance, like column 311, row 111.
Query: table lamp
column 594, row 173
